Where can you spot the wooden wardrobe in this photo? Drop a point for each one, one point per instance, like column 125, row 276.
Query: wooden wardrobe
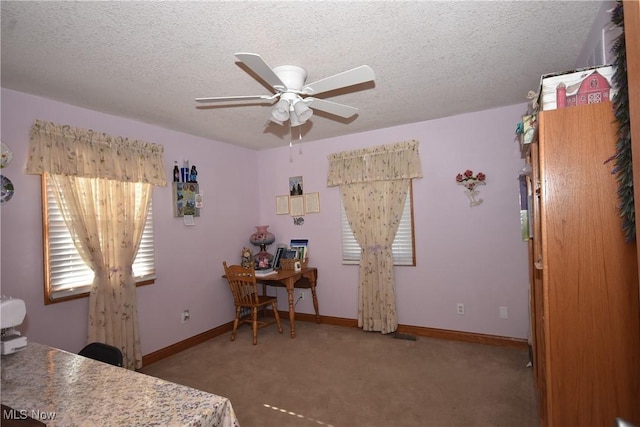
column 585, row 302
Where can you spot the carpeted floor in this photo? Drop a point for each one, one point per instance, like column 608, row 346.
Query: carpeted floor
column 344, row 377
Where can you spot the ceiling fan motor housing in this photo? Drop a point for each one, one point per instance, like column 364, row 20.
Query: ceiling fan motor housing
column 292, row 76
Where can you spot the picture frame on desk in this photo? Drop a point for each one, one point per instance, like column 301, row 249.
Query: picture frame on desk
column 301, row 246
column 300, row 252
column 289, row 254
column 277, row 257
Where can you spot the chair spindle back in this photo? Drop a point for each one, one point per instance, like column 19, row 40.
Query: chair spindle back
column 242, row 282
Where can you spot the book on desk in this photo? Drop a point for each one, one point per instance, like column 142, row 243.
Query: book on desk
column 265, row 272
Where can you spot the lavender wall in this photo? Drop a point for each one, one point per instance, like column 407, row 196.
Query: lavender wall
column 188, row 259
column 469, row 255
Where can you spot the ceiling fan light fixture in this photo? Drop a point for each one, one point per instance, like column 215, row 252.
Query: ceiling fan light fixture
column 280, row 111
column 278, row 122
column 293, row 119
column 302, row 110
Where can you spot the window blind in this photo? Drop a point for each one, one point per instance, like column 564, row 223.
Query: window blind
column 403, row 244
column 66, row 274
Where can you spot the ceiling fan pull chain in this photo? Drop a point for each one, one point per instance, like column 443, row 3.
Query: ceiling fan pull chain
column 290, row 152
column 300, row 139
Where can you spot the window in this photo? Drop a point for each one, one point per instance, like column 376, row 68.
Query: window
column 66, row 274
column 403, row 246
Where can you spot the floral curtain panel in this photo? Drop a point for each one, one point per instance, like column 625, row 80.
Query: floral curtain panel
column 109, row 248
column 95, row 176
column 373, row 184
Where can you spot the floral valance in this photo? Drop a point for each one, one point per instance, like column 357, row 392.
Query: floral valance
column 382, row 163
column 65, row 150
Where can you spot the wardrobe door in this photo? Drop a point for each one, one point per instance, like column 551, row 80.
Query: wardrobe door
column 590, row 275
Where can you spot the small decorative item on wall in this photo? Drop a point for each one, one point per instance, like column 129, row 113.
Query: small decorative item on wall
column 296, row 206
column 282, row 205
column 295, row 186
column 470, row 183
column 297, row 203
column 312, row 202
column 7, row 189
column 185, row 198
column 7, row 155
column 185, row 174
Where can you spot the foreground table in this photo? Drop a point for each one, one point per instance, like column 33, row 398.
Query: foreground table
column 306, row 278
column 64, row 389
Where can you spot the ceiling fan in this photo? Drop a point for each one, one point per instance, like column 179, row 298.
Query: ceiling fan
column 293, row 97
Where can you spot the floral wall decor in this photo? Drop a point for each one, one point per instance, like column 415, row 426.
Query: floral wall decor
column 470, row 182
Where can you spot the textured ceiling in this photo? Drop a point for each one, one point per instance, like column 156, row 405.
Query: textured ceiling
column 148, row 60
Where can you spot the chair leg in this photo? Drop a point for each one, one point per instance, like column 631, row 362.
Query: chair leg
column 235, row 324
column 277, row 316
column 254, row 324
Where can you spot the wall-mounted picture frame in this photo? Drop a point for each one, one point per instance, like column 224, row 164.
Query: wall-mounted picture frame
column 184, row 199
column 282, row 205
column 296, row 186
column 312, row 202
column 296, row 206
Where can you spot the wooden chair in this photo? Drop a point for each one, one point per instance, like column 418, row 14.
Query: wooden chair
column 244, row 289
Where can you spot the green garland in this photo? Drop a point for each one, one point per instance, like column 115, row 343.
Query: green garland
column 623, row 165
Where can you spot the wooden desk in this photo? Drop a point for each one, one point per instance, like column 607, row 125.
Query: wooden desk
column 65, row 389
column 307, row 278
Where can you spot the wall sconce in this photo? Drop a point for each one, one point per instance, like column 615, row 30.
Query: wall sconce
column 470, row 184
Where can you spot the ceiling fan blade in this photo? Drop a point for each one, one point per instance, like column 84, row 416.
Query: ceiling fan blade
column 331, row 107
column 258, row 66
column 357, row 75
column 237, row 98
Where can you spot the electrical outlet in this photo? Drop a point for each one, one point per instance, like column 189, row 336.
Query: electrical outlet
column 460, row 308
column 504, row 313
column 301, row 295
column 185, row 316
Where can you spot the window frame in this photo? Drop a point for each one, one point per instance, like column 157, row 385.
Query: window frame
column 348, row 240
column 49, row 289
